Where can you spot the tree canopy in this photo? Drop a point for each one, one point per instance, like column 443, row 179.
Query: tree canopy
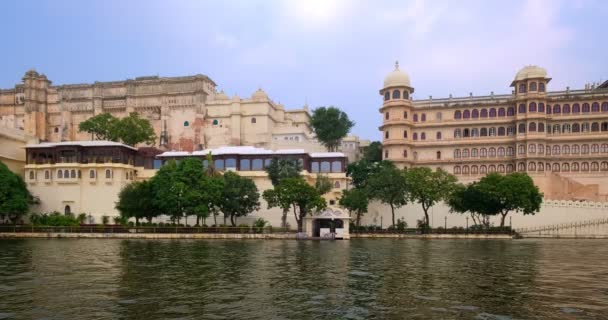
column 355, row 200
column 360, row 171
column 282, row 168
column 428, row 187
column 331, row 125
column 239, row 196
column 373, row 152
column 388, row 186
column 136, row 200
column 130, row 130
column 15, row 199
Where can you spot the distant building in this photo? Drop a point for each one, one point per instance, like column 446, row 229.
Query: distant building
column 187, row 113
column 560, row 138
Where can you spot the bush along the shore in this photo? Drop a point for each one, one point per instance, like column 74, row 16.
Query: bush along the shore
column 54, row 219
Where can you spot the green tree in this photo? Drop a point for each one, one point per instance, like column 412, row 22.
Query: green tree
column 355, row 200
column 297, row 194
column 388, row 186
column 137, row 200
column 101, row 127
column 323, row 184
column 373, row 152
column 428, row 187
column 133, row 130
column 211, row 189
column 279, row 169
column 239, row 197
column 470, row 199
column 360, row 171
column 15, row 199
column 330, row 125
column 169, row 191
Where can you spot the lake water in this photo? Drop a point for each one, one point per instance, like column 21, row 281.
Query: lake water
column 274, row 279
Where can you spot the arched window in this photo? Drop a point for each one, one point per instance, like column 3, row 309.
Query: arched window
column 533, row 86
column 501, row 151
column 575, row 167
column 415, row 117
column 415, row 135
column 585, row 127
column 585, row 166
column 474, row 153
column 405, row 133
column 556, row 109
column 521, row 128
column 474, row 170
column 386, row 135
column 585, row 149
column 566, row 128
column 483, row 132
column 457, row 114
column 474, row 132
column 465, row 133
column 532, row 106
column 405, row 153
column 438, row 155
column 67, row 210
column 396, row 94
column 186, row 123
column 501, row 112
column 404, row 114
column 541, row 86
column 521, row 149
column 32, row 175
column 465, row 153
column 438, row 135
column 423, row 117
column 59, row 174
column 254, row 120
column 532, row 127
column 541, row 127
column 466, row 114
column 483, row 152
column 484, row 113
column 541, row 107
column 56, row 129
column 604, row 126
column 576, row 127
column 522, row 88
column 604, row 148
column 576, row 108
column 92, row 174
column 73, row 174
column 595, row 148
column 337, row 185
column 565, row 167
column 556, row 128
column 510, row 131
column 548, row 110
column 585, row 107
column 492, row 132
column 465, row 170
column 456, row 169
column 456, row 153
column 541, row 148
column 386, row 116
column 566, row 149
column 475, row 114
column 605, row 107
column 522, row 108
column 387, row 96
column 566, row 108
column 492, row 152
column 108, row 174
column 385, row 156
column 576, row 149
column 483, row 169
column 556, row 167
column 595, row 166
column 423, row 136
column 406, row 95
column 509, row 168
column 532, row 148
column 457, row 133
column 541, row 167
column 556, row 150
column 501, row 131
column 47, row 175
column 215, row 122
column 532, row 166
column 604, row 166
column 595, row 107
column 521, row 166
column 66, row 174
column 511, row 111
column 595, row 127
column 501, row 168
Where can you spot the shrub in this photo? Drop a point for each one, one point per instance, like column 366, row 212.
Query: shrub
column 82, row 218
column 105, row 219
column 53, row 219
column 259, row 224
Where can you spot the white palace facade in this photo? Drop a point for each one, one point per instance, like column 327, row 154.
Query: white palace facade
column 560, row 138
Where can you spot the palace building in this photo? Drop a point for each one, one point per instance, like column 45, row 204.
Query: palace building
column 187, row 113
column 560, row 138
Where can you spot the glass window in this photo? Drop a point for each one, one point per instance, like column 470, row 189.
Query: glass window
column 108, row 174
column 186, row 123
column 532, row 107
column 230, row 163
column 215, row 122
column 157, row 163
column 73, row 174
column 245, row 164
column 325, row 166
column 585, row 107
column 336, row 166
column 595, row 107
column 541, row 107
column 466, row 114
column 522, row 108
column 484, row 113
column 387, row 95
column 475, row 114
column 511, row 111
column 257, row 165
column 396, row 94
column 457, row 114
column 438, row 135
column 253, row 120
column 219, row 164
column 314, row 167
column 59, row 174
column 501, row 131
column 533, row 86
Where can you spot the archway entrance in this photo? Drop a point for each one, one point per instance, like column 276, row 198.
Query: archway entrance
column 67, row 210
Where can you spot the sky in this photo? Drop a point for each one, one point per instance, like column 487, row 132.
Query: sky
column 319, row 52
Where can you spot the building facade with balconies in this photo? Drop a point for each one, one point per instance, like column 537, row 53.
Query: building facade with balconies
column 560, row 138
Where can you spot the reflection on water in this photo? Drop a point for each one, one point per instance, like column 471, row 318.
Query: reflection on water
column 356, row 279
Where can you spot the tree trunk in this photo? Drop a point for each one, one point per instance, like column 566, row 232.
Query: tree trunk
column 215, row 219
column 358, row 220
column 224, row 219
column 427, row 224
column 502, row 219
column 393, row 214
column 284, row 219
column 136, row 221
column 232, row 220
column 198, row 220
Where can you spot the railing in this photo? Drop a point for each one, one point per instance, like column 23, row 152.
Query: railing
column 128, row 229
column 565, row 226
column 506, row 231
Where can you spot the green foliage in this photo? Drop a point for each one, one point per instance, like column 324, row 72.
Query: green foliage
column 295, row 193
column 130, row 130
column 282, row 168
column 137, row 200
column 53, row 219
column 260, row 223
column 355, row 200
column 105, row 219
column 82, row 218
column 373, row 152
column 428, row 187
column 387, row 184
column 102, row 126
column 15, row 199
column 360, row 171
column 323, row 184
column 120, row 220
column 330, row 125
column 239, row 196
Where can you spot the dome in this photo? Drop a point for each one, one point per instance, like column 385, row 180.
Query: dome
column 221, row 96
column 397, row 78
column 259, row 95
column 531, row 72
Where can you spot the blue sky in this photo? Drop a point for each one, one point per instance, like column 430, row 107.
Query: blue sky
column 326, row 52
